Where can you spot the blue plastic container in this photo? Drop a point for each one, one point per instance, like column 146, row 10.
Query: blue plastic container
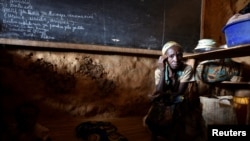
column 237, row 33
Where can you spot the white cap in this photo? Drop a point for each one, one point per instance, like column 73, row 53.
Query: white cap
column 168, row 45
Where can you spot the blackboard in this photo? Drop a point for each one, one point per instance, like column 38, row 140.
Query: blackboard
column 144, row 24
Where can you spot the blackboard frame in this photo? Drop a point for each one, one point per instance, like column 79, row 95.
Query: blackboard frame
column 80, row 47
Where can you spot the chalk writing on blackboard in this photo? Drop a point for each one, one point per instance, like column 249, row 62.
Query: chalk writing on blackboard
column 22, row 20
column 127, row 23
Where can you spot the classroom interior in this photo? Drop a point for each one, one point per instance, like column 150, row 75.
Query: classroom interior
column 74, row 83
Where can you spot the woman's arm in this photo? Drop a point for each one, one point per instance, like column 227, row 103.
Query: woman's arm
column 181, row 89
column 159, row 77
column 187, row 76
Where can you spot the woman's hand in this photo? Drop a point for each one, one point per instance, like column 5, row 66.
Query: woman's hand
column 155, row 95
column 161, row 62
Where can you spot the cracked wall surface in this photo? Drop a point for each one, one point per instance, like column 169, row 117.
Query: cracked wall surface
column 77, row 83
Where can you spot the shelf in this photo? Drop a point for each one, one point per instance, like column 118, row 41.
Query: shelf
column 236, row 51
column 234, row 85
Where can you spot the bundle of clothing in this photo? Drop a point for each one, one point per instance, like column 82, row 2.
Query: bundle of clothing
column 98, row 131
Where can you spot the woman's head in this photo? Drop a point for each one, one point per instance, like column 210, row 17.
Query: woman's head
column 174, row 53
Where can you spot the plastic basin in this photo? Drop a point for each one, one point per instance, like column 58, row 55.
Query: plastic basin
column 237, row 33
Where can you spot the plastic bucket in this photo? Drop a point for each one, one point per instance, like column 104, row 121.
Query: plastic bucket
column 237, row 33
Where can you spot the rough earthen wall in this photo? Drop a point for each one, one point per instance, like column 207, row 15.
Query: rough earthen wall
column 78, row 83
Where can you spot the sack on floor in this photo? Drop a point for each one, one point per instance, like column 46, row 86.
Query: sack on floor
column 98, row 131
column 218, row 110
column 218, row 70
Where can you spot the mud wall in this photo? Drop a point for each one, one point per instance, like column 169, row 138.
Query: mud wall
column 81, row 84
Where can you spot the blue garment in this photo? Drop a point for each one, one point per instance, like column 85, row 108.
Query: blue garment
column 167, row 80
column 179, row 73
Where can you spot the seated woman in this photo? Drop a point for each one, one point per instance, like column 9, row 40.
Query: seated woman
column 171, row 79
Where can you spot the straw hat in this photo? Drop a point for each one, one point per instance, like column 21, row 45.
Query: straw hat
column 205, row 45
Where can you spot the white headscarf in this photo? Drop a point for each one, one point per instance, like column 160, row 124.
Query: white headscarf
column 168, row 45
